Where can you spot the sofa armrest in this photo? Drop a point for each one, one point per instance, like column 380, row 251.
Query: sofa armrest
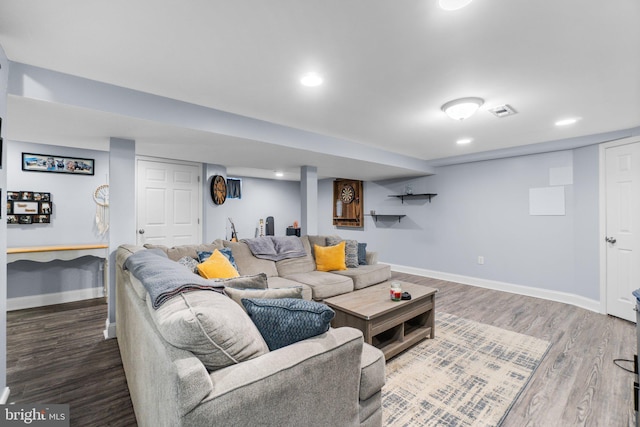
column 310, row 382
column 372, row 258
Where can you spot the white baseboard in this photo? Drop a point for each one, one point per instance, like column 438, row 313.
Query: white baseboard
column 55, row 298
column 110, row 330
column 564, row 297
column 4, row 397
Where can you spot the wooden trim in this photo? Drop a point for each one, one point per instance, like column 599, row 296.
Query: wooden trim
column 31, row 249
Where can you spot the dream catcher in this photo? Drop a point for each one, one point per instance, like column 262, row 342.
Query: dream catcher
column 101, row 197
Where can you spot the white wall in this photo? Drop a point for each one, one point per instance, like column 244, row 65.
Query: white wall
column 72, row 222
column 260, row 198
column 482, row 209
column 74, row 211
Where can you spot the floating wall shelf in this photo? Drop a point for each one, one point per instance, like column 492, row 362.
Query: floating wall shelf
column 414, row 196
column 384, row 216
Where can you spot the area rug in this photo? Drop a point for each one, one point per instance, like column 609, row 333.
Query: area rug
column 469, row 375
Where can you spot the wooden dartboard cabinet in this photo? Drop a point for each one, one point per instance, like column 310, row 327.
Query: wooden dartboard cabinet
column 348, row 203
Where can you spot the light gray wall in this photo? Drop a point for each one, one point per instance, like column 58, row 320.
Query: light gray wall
column 4, row 76
column 482, row 209
column 72, row 222
column 260, row 198
column 122, row 203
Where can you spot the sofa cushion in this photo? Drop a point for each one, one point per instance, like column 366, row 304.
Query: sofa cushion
column 177, row 252
column 350, row 250
column 276, row 282
column 303, row 264
column 372, row 371
column 316, row 240
column 330, row 258
column 238, row 294
column 217, row 266
column 211, row 326
column 367, row 275
column 324, row 285
column 286, row 321
column 247, row 263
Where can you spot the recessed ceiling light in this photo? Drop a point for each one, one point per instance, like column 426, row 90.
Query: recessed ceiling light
column 464, row 141
column 311, row 79
column 279, row 174
column 453, row 4
column 567, row 122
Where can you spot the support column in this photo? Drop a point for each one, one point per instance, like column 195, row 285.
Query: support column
column 309, row 200
column 122, row 199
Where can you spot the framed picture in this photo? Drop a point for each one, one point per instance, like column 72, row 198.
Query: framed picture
column 21, row 207
column 41, row 219
column 45, row 208
column 56, row 164
column 28, row 207
column 25, row 219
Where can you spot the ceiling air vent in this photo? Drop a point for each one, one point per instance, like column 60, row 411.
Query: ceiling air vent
column 503, row 111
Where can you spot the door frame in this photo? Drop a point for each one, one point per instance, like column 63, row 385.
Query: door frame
column 200, row 192
column 603, row 213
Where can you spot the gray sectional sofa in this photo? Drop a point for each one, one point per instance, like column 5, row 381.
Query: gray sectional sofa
column 330, row 379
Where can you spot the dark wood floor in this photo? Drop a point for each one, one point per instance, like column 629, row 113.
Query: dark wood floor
column 57, row 354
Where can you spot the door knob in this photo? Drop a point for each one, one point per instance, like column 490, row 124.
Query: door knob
column 141, row 231
column 611, row 240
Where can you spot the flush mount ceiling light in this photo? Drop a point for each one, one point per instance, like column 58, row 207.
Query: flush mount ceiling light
column 567, row 122
column 311, row 80
column 279, row 174
column 453, row 4
column 463, row 108
column 464, row 141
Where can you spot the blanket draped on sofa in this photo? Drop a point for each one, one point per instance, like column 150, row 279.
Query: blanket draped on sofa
column 164, row 280
column 276, row 248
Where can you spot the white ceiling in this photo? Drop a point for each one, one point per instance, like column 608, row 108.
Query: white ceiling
column 388, row 68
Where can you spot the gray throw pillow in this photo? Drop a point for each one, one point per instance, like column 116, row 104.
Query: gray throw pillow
column 238, row 294
column 256, row 281
column 285, row 321
column 211, row 326
column 350, row 250
column 190, row 263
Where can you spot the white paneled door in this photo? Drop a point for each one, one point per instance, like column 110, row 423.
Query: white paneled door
column 168, row 203
column 622, row 237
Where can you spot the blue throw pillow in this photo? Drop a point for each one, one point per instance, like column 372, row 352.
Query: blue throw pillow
column 204, row 255
column 285, row 321
column 362, row 253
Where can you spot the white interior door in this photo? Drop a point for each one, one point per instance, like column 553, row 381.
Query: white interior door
column 169, row 198
column 622, row 234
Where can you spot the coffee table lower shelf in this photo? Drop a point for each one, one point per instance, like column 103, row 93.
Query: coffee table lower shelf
column 400, row 340
column 390, row 326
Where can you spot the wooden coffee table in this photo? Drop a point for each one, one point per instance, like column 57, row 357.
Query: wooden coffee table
column 391, row 326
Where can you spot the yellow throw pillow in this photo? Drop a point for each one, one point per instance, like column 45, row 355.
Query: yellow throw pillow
column 217, row 266
column 329, row 258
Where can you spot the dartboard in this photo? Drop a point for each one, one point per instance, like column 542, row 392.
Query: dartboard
column 347, row 194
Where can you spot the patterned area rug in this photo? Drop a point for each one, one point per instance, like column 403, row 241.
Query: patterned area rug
column 469, row 375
